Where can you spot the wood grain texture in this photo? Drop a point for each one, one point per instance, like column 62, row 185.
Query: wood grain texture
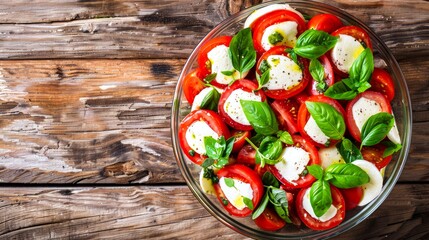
column 171, row 29
column 170, row 213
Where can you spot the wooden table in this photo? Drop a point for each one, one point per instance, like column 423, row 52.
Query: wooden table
column 85, row 95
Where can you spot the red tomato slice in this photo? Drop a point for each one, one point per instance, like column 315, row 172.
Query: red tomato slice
column 375, row 96
column 212, row 119
column 352, row 196
column 303, row 181
column 192, row 85
column 315, row 224
column 246, row 155
column 269, row 220
column 304, row 115
column 261, row 170
column 329, row 76
column 325, row 22
column 240, row 139
column 245, row 85
column 287, row 114
column 374, row 154
column 283, row 93
column 204, row 64
column 382, row 82
column 272, row 18
column 246, row 175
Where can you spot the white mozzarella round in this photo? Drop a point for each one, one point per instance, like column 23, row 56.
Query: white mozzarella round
column 393, row 134
column 345, row 52
column 363, row 109
column 293, row 161
column 288, row 30
column 306, row 204
column 220, row 61
column 273, row 7
column 373, row 188
column 284, row 73
column 235, row 194
column 329, row 156
column 206, row 184
column 198, row 100
column 233, row 107
column 315, row 132
column 195, row 136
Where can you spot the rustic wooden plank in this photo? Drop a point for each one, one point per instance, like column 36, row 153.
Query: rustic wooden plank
column 171, row 29
column 107, row 121
column 168, row 212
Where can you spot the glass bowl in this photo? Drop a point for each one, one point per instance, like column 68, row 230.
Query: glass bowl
column 401, row 106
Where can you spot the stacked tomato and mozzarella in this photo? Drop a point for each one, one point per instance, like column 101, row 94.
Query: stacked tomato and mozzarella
column 288, row 88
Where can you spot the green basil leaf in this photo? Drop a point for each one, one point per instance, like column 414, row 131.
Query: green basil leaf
column 261, row 206
column 229, row 146
column 214, row 148
column 261, row 116
column 314, row 43
column 228, row 73
column 229, row 182
column 391, row 148
column 285, row 137
column 293, row 56
column 264, row 66
column 270, row 150
column 317, row 70
column 241, row 51
column 221, row 162
column 211, row 100
column 347, row 175
column 248, row 202
column 210, row 174
column 275, row 37
column 363, row 87
column 263, row 79
column 207, row 163
column 362, row 68
column 268, row 179
column 348, row 151
column 316, row 171
column 327, row 118
column 279, row 199
column 375, row 129
column 340, row 91
column 320, row 197
column 257, row 139
column 210, row 77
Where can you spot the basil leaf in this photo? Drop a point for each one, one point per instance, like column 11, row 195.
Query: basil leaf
column 391, row 148
column 263, row 79
column 340, row 91
column 211, row 100
column 279, row 199
column 327, row 118
column 362, row 67
column 314, row 43
column 261, row 206
column 268, row 179
column 293, row 56
column 228, row 73
column 257, row 139
column 242, row 52
column 347, row 175
column 285, row 137
column 269, row 151
column 320, row 197
column 317, row 70
column 316, row 171
column 264, row 66
column 229, row 182
column 248, row 202
column 376, row 128
column 228, row 148
column 275, row 37
column 210, row 174
column 210, row 77
column 260, row 116
column 214, row 148
column 207, row 163
column 348, row 150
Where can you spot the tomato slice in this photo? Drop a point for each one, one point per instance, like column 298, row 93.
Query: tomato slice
column 192, row 85
column 204, row 64
column 245, row 85
column 304, row 115
column 325, row 22
column 304, row 180
column 287, row 114
column 350, row 121
column 374, row 154
column 270, row 19
column 269, row 220
column 246, row 175
column 240, row 139
column 214, row 121
column 315, row 224
column 285, row 93
column 246, row 155
column 329, row 76
column 382, row 82
column 352, row 196
column 261, row 170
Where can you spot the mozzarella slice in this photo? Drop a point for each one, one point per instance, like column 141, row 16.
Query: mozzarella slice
column 220, row 61
column 235, row 194
column 345, row 52
column 306, row 204
column 288, row 30
column 373, row 188
column 329, row 156
column 315, row 132
column 284, row 73
column 195, row 136
column 273, row 7
column 206, row 184
column 233, row 107
column 393, row 134
column 293, row 162
column 198, row 100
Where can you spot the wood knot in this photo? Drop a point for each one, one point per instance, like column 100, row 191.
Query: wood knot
column 120, row 169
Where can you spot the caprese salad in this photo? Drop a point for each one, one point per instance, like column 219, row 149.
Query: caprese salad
column 290, row 121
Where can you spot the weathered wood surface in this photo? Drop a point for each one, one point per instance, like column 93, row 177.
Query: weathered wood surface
column 169, row 29
column 107, row 121
column 171, row 213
